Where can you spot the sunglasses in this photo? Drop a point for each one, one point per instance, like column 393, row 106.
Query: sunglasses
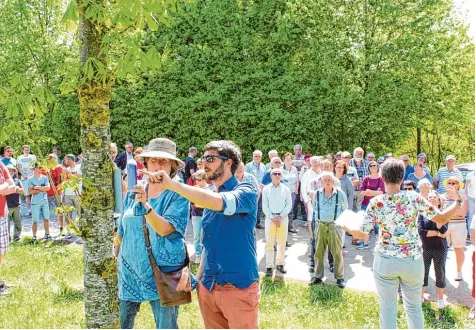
column 277, row 174
column 408, row 188
column 452, row 183
column 373, row 165
column 211, row 158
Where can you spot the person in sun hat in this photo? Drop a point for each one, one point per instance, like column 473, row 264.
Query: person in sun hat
column 457, row 230
column 166, row 216
column 445, row 172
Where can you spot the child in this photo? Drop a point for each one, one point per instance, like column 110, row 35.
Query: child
column 38, row 185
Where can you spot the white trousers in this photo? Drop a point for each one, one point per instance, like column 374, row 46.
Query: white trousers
column 280, row 235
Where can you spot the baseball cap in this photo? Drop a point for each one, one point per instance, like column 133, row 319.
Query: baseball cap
column 450, row 157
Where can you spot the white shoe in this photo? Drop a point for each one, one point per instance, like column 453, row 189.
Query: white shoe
column 459, row 276
column 441, row 304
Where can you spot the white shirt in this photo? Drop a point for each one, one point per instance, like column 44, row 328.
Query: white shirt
column 306, row 183
column 470, row 181
column 77, row 170
column 277, row 199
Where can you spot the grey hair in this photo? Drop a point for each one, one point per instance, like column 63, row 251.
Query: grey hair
column 327, row 174
column 424, row 183
column 393, row 171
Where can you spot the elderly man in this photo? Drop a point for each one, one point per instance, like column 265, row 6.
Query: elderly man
column 370, row 157
column 445, row 172
column 298, row 158
column 257, row 169
column 362, row 168
column 271, row 154
column 125, row 156
column 277, row 204
column 408, row 168
column 329, row 202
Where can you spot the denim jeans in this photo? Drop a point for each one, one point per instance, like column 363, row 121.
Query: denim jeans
column 165, row 317
column 389, row 272
column 197, row 234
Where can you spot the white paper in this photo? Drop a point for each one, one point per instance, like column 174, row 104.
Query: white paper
column 350, row 219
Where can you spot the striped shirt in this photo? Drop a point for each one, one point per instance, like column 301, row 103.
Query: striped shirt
column 443, row 174
column 256, row 170
column 362, row 171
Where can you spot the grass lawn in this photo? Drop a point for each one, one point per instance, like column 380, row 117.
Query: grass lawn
column 47, row 292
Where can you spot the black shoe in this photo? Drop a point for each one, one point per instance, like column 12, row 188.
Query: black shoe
column 281, row 269
column 341, row 283
column 269, row 271
column 275, row 248
column 315, row 281
column 259, row 226
column 331, row 269
column 288, row 244
column 294, row 231
column 311, row 269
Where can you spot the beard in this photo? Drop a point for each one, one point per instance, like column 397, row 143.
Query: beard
column 217, row 173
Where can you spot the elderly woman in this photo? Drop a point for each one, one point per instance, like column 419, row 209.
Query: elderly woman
column 398, row 255
column 165, row 214
column 433, row 238
column 291, row 175
column 419, row 174
column 424, row 187
column 457, row 230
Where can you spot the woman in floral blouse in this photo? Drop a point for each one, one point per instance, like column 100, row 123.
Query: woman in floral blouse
column 398, row 255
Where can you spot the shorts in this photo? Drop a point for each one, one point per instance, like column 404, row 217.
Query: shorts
column 456, row 234
column 52, row 200
column 4, row 234
column 72, row 200
column 26, row 191
column 40, row 210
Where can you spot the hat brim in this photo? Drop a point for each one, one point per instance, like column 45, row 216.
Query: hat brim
column 461, row 183
column 158, row 154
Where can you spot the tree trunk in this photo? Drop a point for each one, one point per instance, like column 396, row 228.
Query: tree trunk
column 418, row 140
column 97, row 223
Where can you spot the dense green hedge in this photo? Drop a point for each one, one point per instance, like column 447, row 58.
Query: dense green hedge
column 272, row 73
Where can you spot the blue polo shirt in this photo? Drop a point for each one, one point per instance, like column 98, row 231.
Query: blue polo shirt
column 228, row 240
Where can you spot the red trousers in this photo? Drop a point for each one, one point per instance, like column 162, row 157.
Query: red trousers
column 227, row 307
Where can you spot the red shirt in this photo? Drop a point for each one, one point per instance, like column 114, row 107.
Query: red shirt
column 4, row 176
column 55, row 180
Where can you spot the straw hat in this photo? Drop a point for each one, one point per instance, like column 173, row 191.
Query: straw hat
column 454, row 178
column 11, row 167
column 161, row 148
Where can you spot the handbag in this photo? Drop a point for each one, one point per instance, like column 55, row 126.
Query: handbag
column 174, row 287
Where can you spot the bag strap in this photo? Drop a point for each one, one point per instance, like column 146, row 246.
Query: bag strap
column 319, row 208
column 337, row 202
column 152, row 261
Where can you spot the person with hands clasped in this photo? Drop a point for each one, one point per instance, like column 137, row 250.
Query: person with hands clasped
column 228, row 289
column 435, row 247
column 166, row 216
column 277, row 204
column 398, row 254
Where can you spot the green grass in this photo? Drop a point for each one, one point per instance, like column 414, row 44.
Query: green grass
column 47, row 292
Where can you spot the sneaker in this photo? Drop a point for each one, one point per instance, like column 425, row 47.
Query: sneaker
column 33, row 239
column 68, row 235
column 48, row 237
column 362, row 246
column 441, row 304
column 459, row 276
column 471, row 313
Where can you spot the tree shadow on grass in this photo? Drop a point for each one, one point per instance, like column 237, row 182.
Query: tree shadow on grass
column 327, row 295
column 67, row 295
column 439, row 319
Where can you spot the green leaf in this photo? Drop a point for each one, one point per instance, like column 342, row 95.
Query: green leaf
column 71, row 16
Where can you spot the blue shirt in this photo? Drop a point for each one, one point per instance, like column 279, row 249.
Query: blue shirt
column 228, row 239
column 277, row 200
column 41, row 197
column 136, row 279
column 408, row 170
column 328, row 205
column 249, row 178
column 256, row 170
column 413, row 178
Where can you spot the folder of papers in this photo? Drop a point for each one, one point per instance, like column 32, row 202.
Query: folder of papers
column 350, row 219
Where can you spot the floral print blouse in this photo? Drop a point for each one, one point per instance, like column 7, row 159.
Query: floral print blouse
column 396, row 215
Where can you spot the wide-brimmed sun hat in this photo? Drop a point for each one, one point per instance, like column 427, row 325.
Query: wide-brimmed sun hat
column 11, row 167
column 161, row 148
column 454, row 178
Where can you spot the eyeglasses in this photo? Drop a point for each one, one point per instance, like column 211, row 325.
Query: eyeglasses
column 408, row 188
column 373, row 165
column 277, row 174
column 211, row 158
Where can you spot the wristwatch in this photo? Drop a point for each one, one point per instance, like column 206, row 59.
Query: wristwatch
column 460, row 201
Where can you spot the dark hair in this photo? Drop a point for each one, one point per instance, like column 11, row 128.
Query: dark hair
column 227, row 149
column 393, row 171
column 407, row 183
column 372, row 162
column 341, row 162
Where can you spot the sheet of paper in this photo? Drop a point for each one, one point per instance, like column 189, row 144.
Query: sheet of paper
column 350, row 219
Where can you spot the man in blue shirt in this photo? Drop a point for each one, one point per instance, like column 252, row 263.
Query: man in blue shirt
column 328, row 203
column 229, row 268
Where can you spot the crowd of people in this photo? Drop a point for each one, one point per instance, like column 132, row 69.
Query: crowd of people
column 414, row 215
